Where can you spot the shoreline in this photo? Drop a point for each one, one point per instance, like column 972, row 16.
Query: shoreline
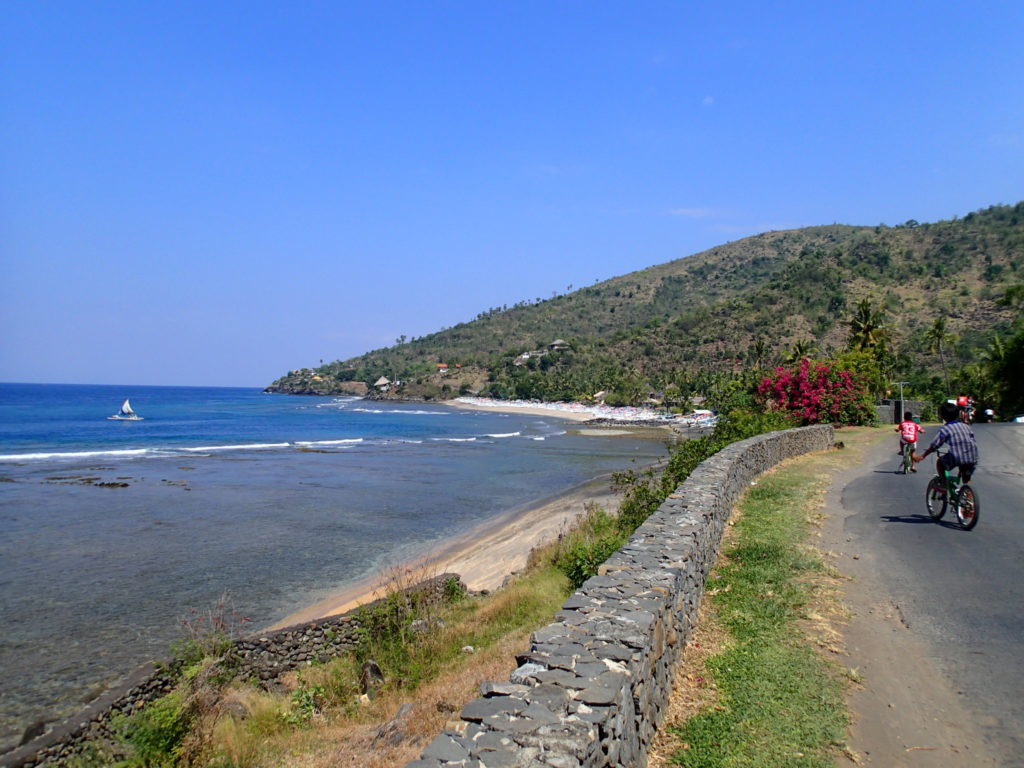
column 487, row 554
column 483, row 557
column 568, row 411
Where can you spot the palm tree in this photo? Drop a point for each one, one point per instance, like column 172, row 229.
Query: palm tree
column 936, row 337
column 868, row 331
column 759, row 351
column 995, row 355
column 801, row 348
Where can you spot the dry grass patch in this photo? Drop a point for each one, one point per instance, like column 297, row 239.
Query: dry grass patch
column 694, row 688
column 318, row 718
column 347, row 743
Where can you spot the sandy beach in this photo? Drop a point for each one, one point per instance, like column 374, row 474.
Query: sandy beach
column 567, row 411
column 485, row 556
column 538, row 409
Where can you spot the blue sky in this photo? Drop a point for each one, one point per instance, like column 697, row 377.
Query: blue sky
column 214, row 193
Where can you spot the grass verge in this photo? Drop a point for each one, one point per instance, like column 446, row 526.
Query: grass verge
column 771, row 697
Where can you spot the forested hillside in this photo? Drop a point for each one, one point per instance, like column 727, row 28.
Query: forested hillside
column 931, row 299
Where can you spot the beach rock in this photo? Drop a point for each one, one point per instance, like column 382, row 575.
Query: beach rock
column 33, row 731
column 394, row 730
column 371, row 677
column 489, row 689
column 522, row 675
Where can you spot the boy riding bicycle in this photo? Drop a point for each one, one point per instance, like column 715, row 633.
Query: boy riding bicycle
column 909, row 430
column 959, row 438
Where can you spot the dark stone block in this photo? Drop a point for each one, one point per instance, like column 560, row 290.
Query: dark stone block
column 478, row 709
column 445, row 749
column 599, row 694
column 554, row 697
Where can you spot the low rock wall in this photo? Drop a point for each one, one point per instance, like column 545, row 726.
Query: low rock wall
column 891, row 411
column 593, row 687
column 264, row 657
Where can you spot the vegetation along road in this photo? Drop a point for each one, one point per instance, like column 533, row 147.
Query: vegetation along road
column 938, row 624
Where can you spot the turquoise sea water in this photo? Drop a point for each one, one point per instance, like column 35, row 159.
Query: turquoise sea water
column 111, row 531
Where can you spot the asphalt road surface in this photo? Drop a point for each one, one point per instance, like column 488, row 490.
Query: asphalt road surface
column 961, row 592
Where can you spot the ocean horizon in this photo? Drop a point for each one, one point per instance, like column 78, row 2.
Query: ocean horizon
column 112, row 531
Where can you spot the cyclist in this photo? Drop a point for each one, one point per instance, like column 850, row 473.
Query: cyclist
column 959, row 438
column 909, row 430
column 966, row 405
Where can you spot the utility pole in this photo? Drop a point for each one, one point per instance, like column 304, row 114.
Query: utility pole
column 902, row 408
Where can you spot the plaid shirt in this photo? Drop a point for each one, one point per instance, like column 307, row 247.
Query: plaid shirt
column 960, row 439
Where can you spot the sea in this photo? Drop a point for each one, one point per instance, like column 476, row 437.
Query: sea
column 113, row 532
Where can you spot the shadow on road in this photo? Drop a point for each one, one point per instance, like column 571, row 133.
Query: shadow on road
column 919, row 519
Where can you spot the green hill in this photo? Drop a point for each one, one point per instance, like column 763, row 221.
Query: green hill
column 678, row 326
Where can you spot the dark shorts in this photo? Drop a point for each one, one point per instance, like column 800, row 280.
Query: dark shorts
column 948, row 463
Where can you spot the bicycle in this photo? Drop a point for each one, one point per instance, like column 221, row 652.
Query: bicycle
column 945, row 489
column 907, row 459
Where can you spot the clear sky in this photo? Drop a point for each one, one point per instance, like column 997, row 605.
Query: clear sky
column 217, row 192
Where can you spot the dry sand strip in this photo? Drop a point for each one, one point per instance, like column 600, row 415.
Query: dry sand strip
column 567, row 411
column 500, row 407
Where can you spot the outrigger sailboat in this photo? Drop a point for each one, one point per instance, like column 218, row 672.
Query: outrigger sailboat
column 126, row 413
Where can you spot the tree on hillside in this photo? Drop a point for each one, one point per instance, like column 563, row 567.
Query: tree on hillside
column 995, row 354
column 758, row 353
column 1006, row 359
column 800, row 349
column 868, row 331
column 938, row 337
column 1008, row 379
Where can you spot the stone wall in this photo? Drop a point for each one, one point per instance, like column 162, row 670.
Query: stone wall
column 264, row 657
column 889, row 412
column 593, row 686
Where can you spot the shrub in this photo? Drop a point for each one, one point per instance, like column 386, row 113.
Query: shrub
column 453, row 591
column 816, row 393
column 307, row 701
column 209, row 632
column 645, row 492
column 157, row 730
column 592, row 542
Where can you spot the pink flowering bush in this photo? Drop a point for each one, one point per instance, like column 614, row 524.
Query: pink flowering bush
column 818, row 393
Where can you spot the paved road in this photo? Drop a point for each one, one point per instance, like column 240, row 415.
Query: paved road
column 961, row 592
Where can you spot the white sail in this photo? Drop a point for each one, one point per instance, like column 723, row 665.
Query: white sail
column 126, row 413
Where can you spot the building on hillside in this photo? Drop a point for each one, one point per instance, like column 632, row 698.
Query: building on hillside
column 558, row 345
column 382, row 384
column 442, row 367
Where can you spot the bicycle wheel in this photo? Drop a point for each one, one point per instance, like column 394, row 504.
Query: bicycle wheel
column 908, row 461
column 967, row 508
column 935, row 498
